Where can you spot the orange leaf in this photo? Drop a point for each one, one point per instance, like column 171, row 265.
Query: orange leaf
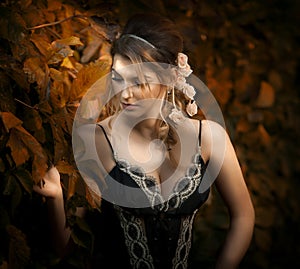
column 65, row 168
column 19, row 152
column 39, row 164
column 9, row 120
column 73, row 178
column 32, row 67
column 40, row 41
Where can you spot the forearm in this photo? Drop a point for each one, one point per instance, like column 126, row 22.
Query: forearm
column 236, row 243
column 60, row 233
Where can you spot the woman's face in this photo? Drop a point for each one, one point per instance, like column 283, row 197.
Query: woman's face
column 126, row 79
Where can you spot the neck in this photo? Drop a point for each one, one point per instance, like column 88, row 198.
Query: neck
column 148, row 129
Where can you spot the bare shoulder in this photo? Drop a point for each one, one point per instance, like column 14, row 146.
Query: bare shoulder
column 213, row 138
column 103, row 146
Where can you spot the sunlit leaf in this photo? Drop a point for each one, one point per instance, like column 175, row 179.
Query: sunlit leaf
column 67, row 63
column 86, row 77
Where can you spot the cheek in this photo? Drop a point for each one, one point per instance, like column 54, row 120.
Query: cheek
column 156, row 91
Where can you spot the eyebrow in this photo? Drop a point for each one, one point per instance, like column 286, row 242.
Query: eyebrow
column 147, row 77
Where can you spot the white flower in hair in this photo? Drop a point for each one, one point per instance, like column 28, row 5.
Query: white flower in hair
column 189, row 91
column 185, row 72
column 191, row 108
column 176, row 116
column 183, row 67
column 182, row 60
column 182, row 71
column 180, row 82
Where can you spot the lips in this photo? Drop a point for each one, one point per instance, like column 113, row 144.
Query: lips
column 128, row 106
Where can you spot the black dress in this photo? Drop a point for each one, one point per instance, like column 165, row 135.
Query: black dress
column 158, row 236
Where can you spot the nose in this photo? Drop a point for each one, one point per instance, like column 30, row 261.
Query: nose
column 127, row 93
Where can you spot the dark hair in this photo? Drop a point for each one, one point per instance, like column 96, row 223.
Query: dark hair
column 160, row 31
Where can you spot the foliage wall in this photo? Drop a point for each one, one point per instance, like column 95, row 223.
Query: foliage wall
column 52, row 51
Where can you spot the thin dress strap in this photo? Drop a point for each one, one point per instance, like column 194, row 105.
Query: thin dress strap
column 200, row 129
column 108, row 141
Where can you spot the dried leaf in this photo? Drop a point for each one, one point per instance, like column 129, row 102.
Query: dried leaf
column 61, row 147
column 63, row 43
column 92, row 46
column 19, row 152
column 264, row 135
column 73, row 178
column 54, row 5
column 41, row 42
column 86, row 77
column 33, row 69
column 9, row 120
column 64, row 167
column 56, row 57
column 67, row 63
column 266, row 95
column 40, row 160
column 14, row 190
column 60, row 91
column 12, row 25
column 25, row 179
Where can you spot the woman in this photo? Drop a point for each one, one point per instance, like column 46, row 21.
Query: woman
column 154, row 159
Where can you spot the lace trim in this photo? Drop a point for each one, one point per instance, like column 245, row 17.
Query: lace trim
column 135, row 240
column 184, row 243
column 181, row 191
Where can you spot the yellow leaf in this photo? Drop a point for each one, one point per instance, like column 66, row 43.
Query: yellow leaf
column 67, row 63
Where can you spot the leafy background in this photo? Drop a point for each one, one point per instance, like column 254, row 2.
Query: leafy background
column 52, row 51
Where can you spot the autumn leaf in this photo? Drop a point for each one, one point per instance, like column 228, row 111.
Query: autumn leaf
column 9, row 120
column 24, row 178
column 13, row 190
column 19, row 152
column 41, row 42
column 86, row 77
column 69, row 41
column 40, row 160
column 35, row 72
column 73, row 179
column 65, row 168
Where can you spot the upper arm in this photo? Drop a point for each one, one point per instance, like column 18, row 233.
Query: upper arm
column 225, row 170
